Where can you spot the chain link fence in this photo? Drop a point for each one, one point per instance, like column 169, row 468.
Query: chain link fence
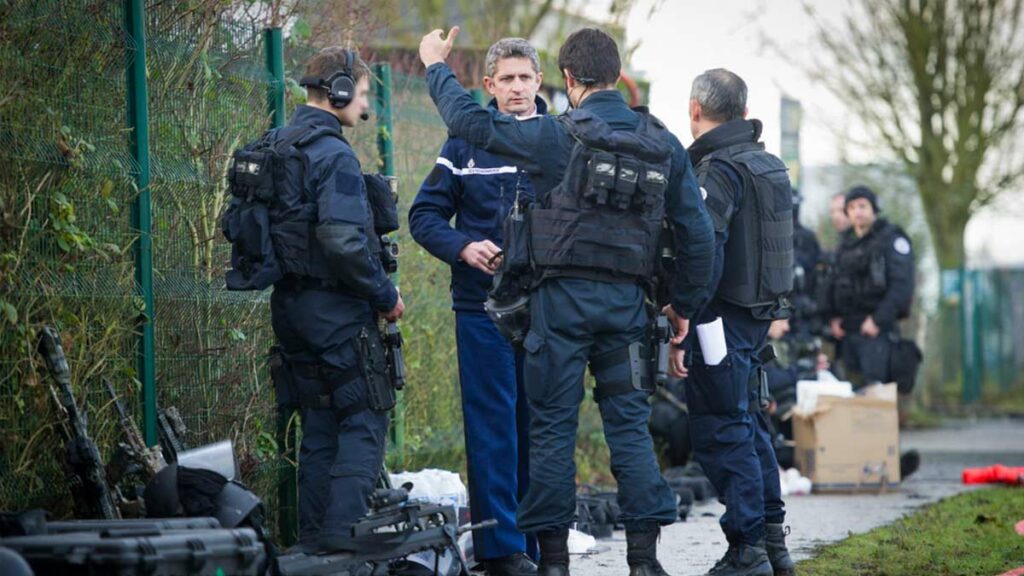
column 68, row 248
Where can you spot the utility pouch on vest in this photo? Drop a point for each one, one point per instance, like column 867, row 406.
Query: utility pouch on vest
column 284, row 385
column 600, row 178
column 374, row 363
column 246, row 222
column 652, row 187
column 627, row 174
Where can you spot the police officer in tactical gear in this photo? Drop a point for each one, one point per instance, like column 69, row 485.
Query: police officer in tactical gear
column 605, row 177
column 325, row 308
column 870, row 289
column 479, row 189
column 750, row 200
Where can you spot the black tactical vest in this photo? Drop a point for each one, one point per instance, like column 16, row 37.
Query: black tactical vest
column 271, row 218
column 603, row 219
column 860, row 279
column 758, row 269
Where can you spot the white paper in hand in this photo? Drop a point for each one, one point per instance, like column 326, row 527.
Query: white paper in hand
column 712, row 341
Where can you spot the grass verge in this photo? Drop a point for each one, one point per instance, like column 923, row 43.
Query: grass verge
column 968, row 534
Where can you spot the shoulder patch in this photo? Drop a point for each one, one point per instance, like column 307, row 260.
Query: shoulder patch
column 901, row 245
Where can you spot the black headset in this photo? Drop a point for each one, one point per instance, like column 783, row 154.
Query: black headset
column 340, row 86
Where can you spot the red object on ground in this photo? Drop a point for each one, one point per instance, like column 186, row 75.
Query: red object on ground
column 1019, row 528
column 1017, row 572
column 994, row 474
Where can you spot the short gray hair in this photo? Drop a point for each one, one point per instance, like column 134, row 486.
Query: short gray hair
column 721, row 94
column 511, row 48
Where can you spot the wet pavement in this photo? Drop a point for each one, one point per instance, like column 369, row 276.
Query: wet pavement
column 691, row 547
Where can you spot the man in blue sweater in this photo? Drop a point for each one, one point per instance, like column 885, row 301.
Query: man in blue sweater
column 479, row 189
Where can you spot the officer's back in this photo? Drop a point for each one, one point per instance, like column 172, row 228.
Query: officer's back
column 606, row 177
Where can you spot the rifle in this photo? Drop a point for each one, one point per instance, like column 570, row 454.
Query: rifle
column 131, row 458
column 394, row 529
column 92, row 493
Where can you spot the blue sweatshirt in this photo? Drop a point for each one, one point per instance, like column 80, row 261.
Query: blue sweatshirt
column 477, row 188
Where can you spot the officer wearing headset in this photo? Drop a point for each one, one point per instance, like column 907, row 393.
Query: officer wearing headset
column 325, row 309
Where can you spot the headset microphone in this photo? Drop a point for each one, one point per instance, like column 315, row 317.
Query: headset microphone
column 364, row 116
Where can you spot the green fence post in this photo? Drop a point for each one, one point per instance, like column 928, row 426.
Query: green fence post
column 386, row 151
column 978, row 305
column 142, row 210
column 967, row 328
column 287, row 438
column 273, row 43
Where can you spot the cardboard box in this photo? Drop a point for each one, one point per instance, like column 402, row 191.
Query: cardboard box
column 850, row 444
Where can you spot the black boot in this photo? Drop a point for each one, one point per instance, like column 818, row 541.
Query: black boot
column 641, row 544
column 554, row 552
column 778, row 554
column 514, row 565
column 742, row 560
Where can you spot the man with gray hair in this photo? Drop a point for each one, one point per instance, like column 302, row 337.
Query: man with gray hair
column 479, row 189
column 748, row 194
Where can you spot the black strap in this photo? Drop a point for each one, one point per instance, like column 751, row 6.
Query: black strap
column 326, row 373
column 295, row 283
column 635, row 358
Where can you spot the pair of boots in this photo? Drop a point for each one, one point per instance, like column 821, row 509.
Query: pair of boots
column 641, row 544
column 769, row 558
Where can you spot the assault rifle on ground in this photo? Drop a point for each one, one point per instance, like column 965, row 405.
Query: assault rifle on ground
column 86, row 474
column 394, row 529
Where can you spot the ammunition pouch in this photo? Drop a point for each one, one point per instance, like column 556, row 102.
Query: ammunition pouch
column 624, row 370
column 374, row 366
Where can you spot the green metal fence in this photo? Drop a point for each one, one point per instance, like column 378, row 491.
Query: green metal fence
column 115, row 113
column 991, row 323
column 113, row 237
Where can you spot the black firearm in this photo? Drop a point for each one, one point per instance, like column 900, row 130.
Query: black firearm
column 394, row 529
column 92, row 494
column 661, row 334
column 396, row 359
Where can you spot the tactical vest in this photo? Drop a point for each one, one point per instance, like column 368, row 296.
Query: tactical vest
column 759, row 255
column 603, row 219
column 271, row 218
column 860, row 279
